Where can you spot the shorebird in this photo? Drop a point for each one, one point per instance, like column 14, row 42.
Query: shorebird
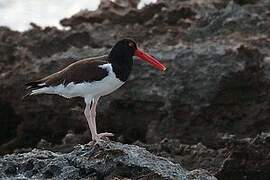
column 92, row 78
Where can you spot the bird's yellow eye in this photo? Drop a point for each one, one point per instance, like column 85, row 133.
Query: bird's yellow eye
column 131, row 44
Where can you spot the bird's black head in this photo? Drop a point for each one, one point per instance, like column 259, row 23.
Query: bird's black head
column 121, row 58
column 123, row 50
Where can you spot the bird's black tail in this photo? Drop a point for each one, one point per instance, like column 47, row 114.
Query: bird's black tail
column 33, row 85
column 26, row 96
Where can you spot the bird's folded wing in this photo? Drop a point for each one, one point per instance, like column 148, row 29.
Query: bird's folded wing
column 87, row 70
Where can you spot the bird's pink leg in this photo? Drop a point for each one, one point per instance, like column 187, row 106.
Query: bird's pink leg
column 93, row 114
column 93, row 111
column 89, row 117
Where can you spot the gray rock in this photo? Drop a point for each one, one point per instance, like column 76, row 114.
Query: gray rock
column 106, row 160
column 217, row 83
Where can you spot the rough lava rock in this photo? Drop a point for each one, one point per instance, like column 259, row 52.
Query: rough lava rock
column 105, row 160
column 246, row 158
column 217, row 84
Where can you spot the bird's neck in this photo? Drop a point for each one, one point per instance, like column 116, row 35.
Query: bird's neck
column 122, row 65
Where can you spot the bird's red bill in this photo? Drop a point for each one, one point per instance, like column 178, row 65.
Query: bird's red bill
column 146, row 57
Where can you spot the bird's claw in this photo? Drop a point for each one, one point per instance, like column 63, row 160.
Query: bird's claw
column 102, row 136
column 99, row 138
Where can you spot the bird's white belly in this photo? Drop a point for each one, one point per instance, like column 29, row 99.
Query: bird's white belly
column 96, row 88
column 85, row 89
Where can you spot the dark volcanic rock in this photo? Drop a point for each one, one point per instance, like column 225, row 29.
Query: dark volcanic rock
column 106, row 160
column 246, row 158
column 107, row 10
column 9, row 121
column 217, row 83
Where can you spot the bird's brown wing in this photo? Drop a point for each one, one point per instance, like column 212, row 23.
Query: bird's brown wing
column 86, row 70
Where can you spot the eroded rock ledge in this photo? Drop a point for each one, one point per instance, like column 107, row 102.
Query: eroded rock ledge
column 106, row 160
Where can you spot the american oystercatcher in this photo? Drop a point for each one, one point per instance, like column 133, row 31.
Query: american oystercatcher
column 92, row 78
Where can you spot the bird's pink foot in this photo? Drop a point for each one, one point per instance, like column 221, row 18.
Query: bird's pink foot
column 91, row 143
column 102, row 136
